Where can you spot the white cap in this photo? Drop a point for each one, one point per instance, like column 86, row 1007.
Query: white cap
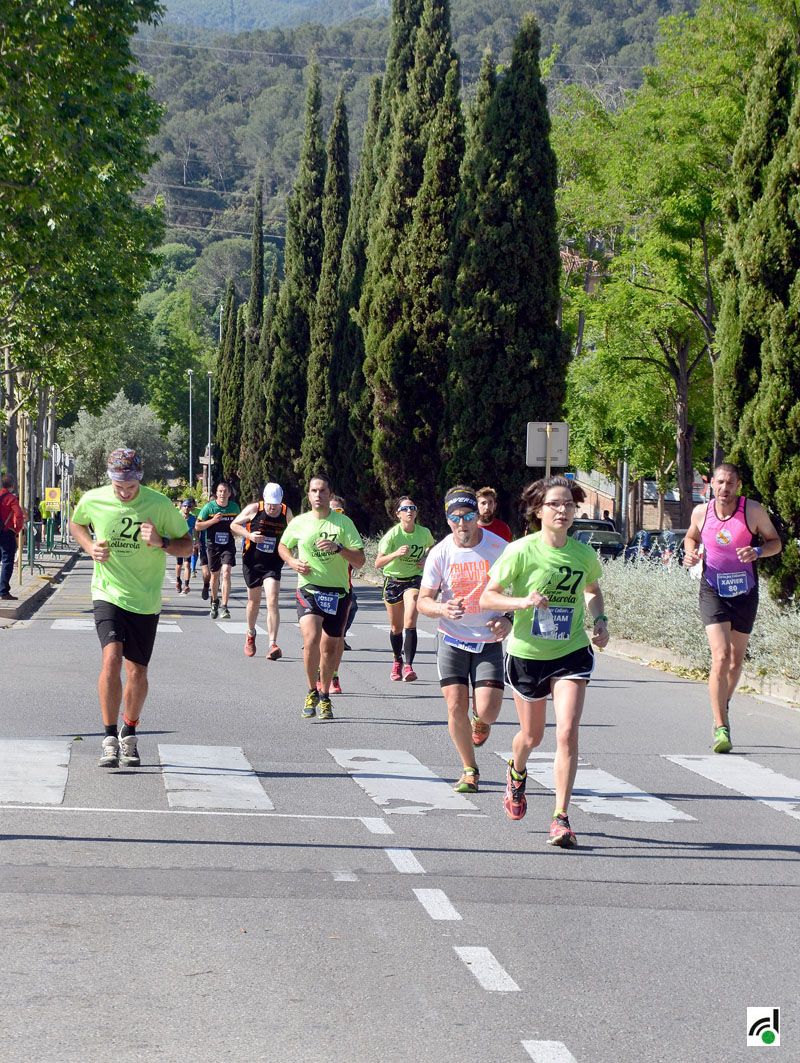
column 273, row 494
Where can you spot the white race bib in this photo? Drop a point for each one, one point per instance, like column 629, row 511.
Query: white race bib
column 470, row 647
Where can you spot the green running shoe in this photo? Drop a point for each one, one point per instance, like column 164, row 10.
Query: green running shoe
column 722, row 740
column 325, row 707
column 310, row 707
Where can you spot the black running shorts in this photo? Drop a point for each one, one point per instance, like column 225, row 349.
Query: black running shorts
column 319, row 601
column 394, row 589
column 217, row 558
column 533, row 680
column 136, row 631
column 739, row 612
column 254, row 575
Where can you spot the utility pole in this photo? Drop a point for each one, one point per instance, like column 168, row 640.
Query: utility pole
column 191, row 478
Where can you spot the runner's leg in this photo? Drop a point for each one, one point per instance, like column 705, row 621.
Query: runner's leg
column 109, row 683
column 568, row 697
column 410, row 624
column 739, row 642
column 311, row 630
column 531, row 730
column 136, row 687
column 273, row 590
column 253, row 605
column 226, row 584
column 488, row 702
column 395, row 612
column 456, row 696
column 330, row 654
column 720, row 643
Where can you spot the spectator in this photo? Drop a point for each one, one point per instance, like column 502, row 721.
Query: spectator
column 12, row 521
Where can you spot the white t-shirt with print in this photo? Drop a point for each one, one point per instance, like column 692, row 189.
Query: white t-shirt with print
column 463, row 572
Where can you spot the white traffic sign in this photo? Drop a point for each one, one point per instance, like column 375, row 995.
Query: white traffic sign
column 547, row 444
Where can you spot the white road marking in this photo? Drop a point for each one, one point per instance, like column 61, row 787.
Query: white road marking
column 210, row 777
column 548, row 1052
column 422, row 634
column 598, row 792
column 182, row 812
column 748, row 778
column 375, row 825
column 344, row 876
column 169, row 627
column 487, row 970
column 437, row 904
column 405, row 861
column 236, row 627
column 392, row 777
column 72, row 624
column 34, row 770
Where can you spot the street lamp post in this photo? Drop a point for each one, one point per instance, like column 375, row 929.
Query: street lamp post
column 191, row 478
column 208, row 452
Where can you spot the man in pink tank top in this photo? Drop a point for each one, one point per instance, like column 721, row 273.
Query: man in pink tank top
column 729, row 534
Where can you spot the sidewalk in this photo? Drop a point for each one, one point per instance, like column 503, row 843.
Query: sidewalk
column 38, row 585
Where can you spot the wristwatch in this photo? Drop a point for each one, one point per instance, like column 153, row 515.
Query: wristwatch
column 339, row 548
column 165, row 542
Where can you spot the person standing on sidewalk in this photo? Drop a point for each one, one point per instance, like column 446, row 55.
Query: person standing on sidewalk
column 215, row 519
column 548, row 582
column 12, row 521
column 135, row 528
column 469, row 650
column 326, row 542
column 261, row 525
column 725, row 533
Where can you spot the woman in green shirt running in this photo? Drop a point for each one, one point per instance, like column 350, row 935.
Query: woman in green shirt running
column 548, row 581
column 401, row 558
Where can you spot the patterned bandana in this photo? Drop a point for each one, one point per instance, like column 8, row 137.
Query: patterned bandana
column 124, row 464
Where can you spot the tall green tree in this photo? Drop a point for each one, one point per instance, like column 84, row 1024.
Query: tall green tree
column 318, row 440
column 291, row 326
column 508, row 358
column 253, row 432
column 255, row 304
column 759, row 335
column 222, row 374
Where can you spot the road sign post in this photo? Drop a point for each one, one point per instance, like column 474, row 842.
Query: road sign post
column 547, row 445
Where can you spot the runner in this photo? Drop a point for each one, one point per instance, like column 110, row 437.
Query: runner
column 183, row 565
column 469, row 649
column 723, row 534
column 487, row 505
column 261, row 525
column 338, row 506
column 135, row 528
column 215, row 519
column 401, row 558
column 326, row 543
column 551, row 580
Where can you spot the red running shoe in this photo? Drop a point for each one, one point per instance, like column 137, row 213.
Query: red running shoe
column 249, row 645
column 561, row 834
column 480, row 731
column 397, row 674
column 515, row 802
column 409, row 675
column 274, row 652
column 336, row 686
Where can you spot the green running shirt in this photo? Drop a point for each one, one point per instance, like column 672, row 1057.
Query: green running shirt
column 419, row 542
column 133, row 575
column 327, row 570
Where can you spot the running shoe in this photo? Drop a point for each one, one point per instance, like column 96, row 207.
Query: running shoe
column 515, row 802
column 336, row 686
column 178, row 585
column 468, row 783
column 204, row 592
column 129, row 752
column 347, row 645
column 722, row 740
column 325, row 707
column 561, row 834
column 186, row 588
column 397, row 672
column 274, row 652
column 409, row 675
column 480, row 730
column 310, row 707
column 110, row 757
column 249, row 645
column 214, row 608
column 225, row 613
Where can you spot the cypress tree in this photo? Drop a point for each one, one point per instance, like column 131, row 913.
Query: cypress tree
column 759, row 335
column 291, row 325
column 508, row 358
column 253, row 432
column 352, row 443
column 231, row 441
column 317, row 449
column 225, row 359
column 410, row 404
column 255, row 305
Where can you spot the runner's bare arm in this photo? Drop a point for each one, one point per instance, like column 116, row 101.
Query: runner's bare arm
column 494, row 597
column 384, row 559
column 293, row 562
column 150, row 535
column 238, row 525
column 770, row 540
column 97, row 550
column 595, row 607
column 429, row 606
column 692, row 540
column 201, row 525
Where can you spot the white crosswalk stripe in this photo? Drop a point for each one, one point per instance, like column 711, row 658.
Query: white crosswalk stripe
column 165, row 627
column 598, row 792
column 210, row 777
column 398, row 782
column 746, row 777
column 548, row 1052
column 237, row 627
column 34, row 771
column 421, row 634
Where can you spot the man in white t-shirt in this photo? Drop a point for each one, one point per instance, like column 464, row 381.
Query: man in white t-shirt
column 469, row 648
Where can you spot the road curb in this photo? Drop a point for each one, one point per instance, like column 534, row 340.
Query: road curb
column 29, row 603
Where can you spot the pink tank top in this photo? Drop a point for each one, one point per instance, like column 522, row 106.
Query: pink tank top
column 721, row 538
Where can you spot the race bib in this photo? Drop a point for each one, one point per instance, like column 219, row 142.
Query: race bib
column 731, row 584
column 221, row 538
column 328, row 601
column 470, row 647
column 268, row 546
column 561, row 623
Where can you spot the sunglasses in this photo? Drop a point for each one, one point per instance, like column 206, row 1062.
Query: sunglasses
column 468, row 518
column 406, row 509
column 559, row 505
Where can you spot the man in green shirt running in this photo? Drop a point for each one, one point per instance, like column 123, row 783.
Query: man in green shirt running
column 135, row 528
column 215, row 519
column 326, row 542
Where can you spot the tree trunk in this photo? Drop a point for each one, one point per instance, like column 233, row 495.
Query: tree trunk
column 684, row 433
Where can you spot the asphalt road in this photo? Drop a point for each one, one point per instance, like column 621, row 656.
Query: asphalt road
column 268, row 888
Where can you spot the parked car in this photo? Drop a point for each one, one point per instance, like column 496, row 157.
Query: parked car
column 656, row 547
column 600, row 535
